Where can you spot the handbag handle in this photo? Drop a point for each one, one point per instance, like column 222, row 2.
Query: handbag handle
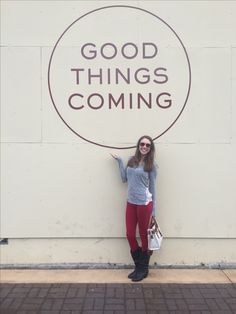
column 153, row 223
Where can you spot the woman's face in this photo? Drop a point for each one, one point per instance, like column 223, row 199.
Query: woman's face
column 144, row 146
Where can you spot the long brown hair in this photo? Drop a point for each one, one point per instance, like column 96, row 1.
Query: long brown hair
column 149, row 158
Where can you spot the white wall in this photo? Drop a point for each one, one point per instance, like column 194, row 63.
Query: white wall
column 62, row 199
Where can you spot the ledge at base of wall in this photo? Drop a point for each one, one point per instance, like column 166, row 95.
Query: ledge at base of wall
column 115, row 266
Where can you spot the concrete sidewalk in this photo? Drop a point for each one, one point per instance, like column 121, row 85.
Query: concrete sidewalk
column 184, row 276
column 110, row 291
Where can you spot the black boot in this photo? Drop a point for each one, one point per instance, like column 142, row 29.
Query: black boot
column 142, row 269
column 135, row 255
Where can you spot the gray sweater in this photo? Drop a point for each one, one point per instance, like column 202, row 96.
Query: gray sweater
column 141, row 184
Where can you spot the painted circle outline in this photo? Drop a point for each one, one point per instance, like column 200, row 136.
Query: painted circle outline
column 108, row 7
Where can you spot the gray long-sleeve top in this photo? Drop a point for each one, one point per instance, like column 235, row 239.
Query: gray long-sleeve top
column 141, row 184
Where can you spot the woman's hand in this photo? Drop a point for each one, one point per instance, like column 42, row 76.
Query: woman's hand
column 150, row 221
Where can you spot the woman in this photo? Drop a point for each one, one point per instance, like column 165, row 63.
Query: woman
column 140, row 173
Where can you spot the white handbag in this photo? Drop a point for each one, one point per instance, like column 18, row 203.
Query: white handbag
column 154, row 236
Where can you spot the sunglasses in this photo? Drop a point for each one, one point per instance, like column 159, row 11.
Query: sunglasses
column 145, row 144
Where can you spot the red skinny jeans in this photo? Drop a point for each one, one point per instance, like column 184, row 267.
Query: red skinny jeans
column 137, row 215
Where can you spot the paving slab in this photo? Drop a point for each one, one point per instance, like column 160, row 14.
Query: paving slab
column 231, row 274
column 116, row 276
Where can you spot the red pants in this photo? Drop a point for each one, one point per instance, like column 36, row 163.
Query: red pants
column 137, row 215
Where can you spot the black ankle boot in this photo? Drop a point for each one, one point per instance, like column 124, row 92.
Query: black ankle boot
column 135, row 255
column 142, row 269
